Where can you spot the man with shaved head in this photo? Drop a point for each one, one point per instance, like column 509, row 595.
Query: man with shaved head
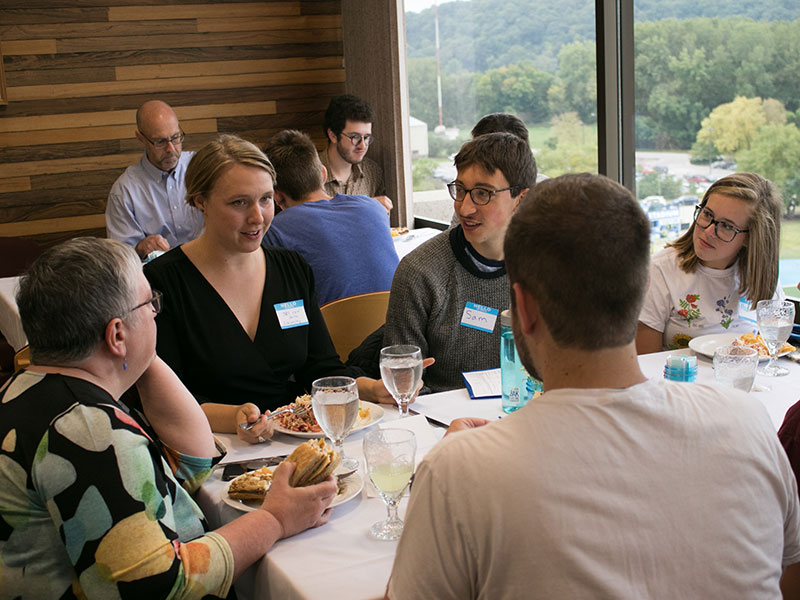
column 147, row 206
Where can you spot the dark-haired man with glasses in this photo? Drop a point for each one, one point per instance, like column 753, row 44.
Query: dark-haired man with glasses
column 147, row 206
column 348, row 128
column 447, row 294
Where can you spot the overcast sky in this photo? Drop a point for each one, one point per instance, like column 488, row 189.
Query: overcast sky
column 418, row 5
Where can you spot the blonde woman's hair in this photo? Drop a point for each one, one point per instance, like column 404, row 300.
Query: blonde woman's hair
column 213, row 159
column 758, row 260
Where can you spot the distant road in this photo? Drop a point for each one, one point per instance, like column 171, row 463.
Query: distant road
column 677, row 163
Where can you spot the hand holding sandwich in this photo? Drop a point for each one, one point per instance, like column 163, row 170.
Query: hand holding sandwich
column 298, row 508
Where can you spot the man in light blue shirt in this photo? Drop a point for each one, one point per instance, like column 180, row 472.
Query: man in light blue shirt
column 147, row 206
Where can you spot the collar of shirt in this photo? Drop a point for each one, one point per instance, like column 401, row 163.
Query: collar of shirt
column 157, row 174
column 356, row 172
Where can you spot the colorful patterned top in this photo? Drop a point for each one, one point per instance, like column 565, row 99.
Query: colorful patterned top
column 687, row 305
column 93, row 506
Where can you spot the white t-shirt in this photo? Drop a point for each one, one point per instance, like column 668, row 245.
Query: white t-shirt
column 687, row 305
column 662, row 490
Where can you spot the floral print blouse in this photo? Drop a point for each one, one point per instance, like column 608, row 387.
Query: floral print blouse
column 93, row 506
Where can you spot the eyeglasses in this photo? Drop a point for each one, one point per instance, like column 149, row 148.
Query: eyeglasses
column 155, row 301
column 724, row 231
column 479, row 195
column 357, row 138
column 161, row 143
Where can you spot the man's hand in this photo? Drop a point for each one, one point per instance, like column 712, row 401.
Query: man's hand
column 298, row 509
column 374, row 390
column 386, row 202
column 150, row 243
column 465, row 423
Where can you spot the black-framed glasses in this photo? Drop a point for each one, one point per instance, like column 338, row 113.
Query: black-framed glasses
column 724, row 231
column 357, row 138
column 161, row 143
column 155, row 301
column 479, row 195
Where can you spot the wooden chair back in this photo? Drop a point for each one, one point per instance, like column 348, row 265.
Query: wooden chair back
column 22, row 358
column 350, row 320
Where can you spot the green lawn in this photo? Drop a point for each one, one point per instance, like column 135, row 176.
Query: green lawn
column 790, row 238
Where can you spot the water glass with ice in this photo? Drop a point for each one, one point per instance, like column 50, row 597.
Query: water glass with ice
column 735, row 366
column 335, row 403
column 401, row 372
column 775, row 320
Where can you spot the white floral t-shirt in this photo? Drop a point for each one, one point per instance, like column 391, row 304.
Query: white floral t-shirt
column 687, row 305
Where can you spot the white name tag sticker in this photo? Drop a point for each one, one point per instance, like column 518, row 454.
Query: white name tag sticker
column 291, row 314
column 479, row 317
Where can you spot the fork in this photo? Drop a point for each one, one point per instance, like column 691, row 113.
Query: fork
column 298, row 411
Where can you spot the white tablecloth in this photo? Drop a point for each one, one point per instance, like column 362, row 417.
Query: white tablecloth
column 408, row 241
column 337, row 560
column 340, row 560
column 10, row 325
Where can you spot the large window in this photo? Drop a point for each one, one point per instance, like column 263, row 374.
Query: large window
column 716, row 91
column 531, row 58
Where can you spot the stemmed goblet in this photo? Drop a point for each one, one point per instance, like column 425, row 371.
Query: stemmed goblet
column 401, row 372
column 335, row 403
column 775, row 320
column 390, row 465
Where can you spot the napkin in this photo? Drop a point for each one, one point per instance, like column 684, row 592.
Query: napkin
column 483, row 384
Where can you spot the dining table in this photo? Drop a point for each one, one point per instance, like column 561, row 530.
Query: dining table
column 10, row 323
column 340, row 559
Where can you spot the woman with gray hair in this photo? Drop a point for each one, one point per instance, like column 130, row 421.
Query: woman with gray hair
column 95, row 500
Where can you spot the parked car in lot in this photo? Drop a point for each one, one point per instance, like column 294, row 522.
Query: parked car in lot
column 697, row 178
column 724, row 164
column 687, row 199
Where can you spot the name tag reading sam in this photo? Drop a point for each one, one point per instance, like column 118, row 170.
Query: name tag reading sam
column 478, row 316
column 291, row 314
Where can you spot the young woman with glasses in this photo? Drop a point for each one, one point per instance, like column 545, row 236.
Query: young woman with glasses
column 726, row 262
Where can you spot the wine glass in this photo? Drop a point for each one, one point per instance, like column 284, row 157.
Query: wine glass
column 735, row 366
column 775, row 320
column 401, row 372
column 335, row 403
column 390, row 465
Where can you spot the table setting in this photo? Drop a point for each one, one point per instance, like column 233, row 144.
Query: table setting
column 351, row 556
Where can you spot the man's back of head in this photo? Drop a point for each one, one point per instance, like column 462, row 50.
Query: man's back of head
column 496, row 122
column 297, row 165
column 580, row 244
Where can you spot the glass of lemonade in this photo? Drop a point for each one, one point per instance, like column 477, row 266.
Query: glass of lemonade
column 775, row 321
column 735, row 366
column 401, row 372
column 390, row 465
column 335, row 403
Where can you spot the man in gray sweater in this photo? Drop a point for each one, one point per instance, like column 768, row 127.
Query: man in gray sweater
column 447, row 294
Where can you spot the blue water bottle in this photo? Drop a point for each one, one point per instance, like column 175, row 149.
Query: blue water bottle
column 518, row 386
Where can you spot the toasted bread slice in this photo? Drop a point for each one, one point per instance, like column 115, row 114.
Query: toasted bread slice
column 315, row 461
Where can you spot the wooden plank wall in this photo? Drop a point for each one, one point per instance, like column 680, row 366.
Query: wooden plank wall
column 76, row 70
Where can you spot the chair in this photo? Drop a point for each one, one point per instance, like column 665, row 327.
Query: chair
column 17, row 255
column 350, row 320
column 22, row 358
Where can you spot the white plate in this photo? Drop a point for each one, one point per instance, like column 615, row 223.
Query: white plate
column 353, row 484
column 375, row 415
column 706, row 344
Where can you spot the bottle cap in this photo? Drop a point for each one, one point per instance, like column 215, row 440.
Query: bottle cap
column 680, row 367
column 505, row 318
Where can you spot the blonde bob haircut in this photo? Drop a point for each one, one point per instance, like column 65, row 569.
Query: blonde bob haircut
column 758, row 259
column 213, row 159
